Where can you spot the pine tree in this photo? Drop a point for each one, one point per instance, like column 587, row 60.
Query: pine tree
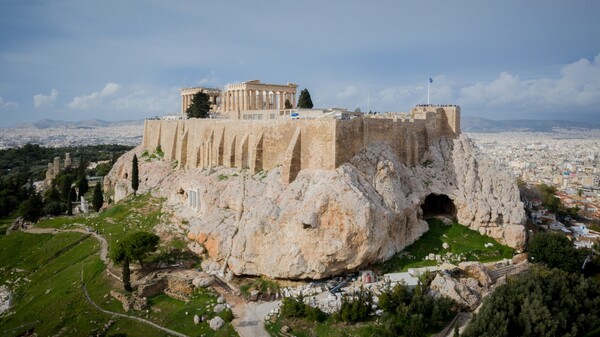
column 135, row 180
column 200, row 106
column 288, row 104
column 304, row 101
column 98, row 198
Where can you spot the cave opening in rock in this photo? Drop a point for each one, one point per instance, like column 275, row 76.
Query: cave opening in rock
column 436, row 205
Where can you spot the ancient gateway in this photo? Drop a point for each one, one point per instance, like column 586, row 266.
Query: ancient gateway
column 310, row 193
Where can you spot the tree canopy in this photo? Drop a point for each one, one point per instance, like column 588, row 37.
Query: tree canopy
column 200, row 106
column 542, row 302
column 556, row 251
column 135, row 246
column 304, row 101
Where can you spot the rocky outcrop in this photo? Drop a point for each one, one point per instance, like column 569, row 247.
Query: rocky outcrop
column 326, row 222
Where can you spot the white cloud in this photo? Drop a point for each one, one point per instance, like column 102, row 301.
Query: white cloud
column 147, row 101
column 41, row 100
column 5, row 105
column 93, row 99
column 576, row 88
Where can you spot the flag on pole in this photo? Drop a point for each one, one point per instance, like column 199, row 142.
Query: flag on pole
column 430, row 80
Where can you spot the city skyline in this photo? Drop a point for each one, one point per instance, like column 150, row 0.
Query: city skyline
column 68, row 60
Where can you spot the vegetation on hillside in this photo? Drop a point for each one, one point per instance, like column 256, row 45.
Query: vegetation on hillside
column 542, row 303
column 20, row 167
column 464, row 244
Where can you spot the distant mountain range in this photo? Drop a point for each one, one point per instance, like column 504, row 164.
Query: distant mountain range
column 478, row 124
column 89, row 124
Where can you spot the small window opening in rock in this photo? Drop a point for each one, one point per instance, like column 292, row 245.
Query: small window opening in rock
column 436, row 205
column 307, row 225
column 126, row 175
column 181, row 191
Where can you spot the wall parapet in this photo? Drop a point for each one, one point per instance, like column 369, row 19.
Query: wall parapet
column 324, row 143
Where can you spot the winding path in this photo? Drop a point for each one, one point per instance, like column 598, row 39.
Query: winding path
column 104, row 258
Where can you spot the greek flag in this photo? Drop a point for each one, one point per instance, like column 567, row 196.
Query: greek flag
column 430, row 80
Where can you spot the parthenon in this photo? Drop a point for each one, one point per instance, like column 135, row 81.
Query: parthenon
column 249, row 95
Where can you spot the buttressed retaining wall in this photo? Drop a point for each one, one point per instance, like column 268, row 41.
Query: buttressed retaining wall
column 296, row 144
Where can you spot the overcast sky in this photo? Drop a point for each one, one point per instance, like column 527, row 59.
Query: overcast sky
column 115, row 60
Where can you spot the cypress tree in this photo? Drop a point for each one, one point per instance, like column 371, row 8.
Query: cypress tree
column 135, row 181
column 98, row 198
column 83, row 186
column 304, row 101
column 200, row 106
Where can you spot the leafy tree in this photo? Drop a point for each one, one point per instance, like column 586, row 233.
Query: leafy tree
column 556, row 251
column 139, row 244
column 135, row 246
column 296, row 308
column 200, row 106
column 288, row 104
column 31, row 209
column 304, row 101
column 97, row 198
column 83, row 186
column 135, row 180
column 541, row 302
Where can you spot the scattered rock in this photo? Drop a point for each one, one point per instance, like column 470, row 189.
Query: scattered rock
column 220, row 299
column 216, row 323
column 254, row 295
column 203, row 280
column 445, row 285
column 219, row 307
column 196, row 319
column 445, row 245
column 285, row 329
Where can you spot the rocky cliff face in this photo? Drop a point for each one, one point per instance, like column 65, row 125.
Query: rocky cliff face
column 326, row 222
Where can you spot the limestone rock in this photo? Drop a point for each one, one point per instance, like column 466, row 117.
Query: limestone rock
column 203, row 280
column 477, row 271
column 196, row 248
column 445, row 285
column 327, row 222
column 216, row 323
column 219, row 307
column 196, row 319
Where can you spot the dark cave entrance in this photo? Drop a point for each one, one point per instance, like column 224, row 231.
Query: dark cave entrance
column 436, row 205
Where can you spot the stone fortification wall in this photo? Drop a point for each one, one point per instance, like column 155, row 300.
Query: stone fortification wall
column 295, row 145
column 253, row 145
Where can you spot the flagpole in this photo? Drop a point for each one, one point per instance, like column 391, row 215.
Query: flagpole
column 428, row 83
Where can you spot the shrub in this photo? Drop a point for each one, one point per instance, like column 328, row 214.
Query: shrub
column 356, row 307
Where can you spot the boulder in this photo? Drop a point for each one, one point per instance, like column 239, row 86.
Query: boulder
column 216, row 323
column 203, row 280
column 219, row 307
column 445, row 285
column 477, row 271
column 196, row 319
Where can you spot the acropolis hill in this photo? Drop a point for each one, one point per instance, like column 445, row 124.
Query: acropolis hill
column 308, row 193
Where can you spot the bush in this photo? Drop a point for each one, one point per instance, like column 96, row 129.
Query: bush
column 296, row 308
column 541, row 302
column 556, row 251
column 356, row 307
